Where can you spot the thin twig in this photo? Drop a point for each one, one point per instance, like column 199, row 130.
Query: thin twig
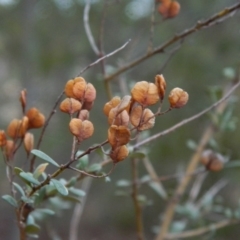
column 198, row 26
column 104, row 57
column 152, row 173
column 92, row 175
column 32, row 161
column 78, row 210
column 187, row 120
column 137, row 205
column 201, row 231
column 88, row 29
column 150, row 45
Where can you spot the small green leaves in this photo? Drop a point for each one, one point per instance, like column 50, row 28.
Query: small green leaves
column 29, row 178
column 44, row 157
column 95, row 167
column 60, row 187
column 10, row 200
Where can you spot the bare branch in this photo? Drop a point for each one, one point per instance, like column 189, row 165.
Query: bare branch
column 201, row 231
column 88, row 29
column 104, row 57
column 198, row 26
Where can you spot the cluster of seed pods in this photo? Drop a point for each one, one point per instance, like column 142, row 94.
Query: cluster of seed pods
column 19, row 129
column 133, row 112
column 79, row 101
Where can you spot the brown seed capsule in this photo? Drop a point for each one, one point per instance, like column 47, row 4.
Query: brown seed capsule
column 3, row 138
column 36, row 118
column 174, row 9
column 81, row 129
column 118, row 119
column 111, row 104
column 169, row 9
column 145, row 93
column 178, row 98
column 161, row 85
column 9, row 149
column 79, row 88
column 90, row 93
column 83, row 114
column 118, row 154
column 28, row 142
column 69, row 86
column 142, row 119
column 118, row 136
column 70, row 105
column 212, row 161
column 17, row 128
column 23, row 99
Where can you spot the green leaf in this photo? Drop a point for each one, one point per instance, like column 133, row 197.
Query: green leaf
column 39, row 170
column 44, row 156
column 17, row 171
column 123, row 183
column 191, row 144
column 10, row 200
column 82, row 163
column 26, row 199
column 71, row 199
column 60, row 187
column 28, row 177
column 32, row 229
column 78, row 192
column 158, row 189
column 95, row 167
column 46, row 211
column 19, row 188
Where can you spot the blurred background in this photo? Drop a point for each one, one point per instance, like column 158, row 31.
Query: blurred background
column 43, row 44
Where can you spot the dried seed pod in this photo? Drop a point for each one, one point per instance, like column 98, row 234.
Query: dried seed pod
column 169, row 9
column 174, row 9
column 164, row 8
column 81, row 129
column 111, row 104
column 70, row 105
column 142, row 119
column 28, row 142
column 83, row 114
column 118, row 119
column 124, row 104
column 3, row 138
column 17, row 128
column 69, row 86
column 9, row 149
column 145, row 93
column 178, row 98
column 23, row 99
column 212, row 161
column 118, row 136
column 90, row 93
column 79, row 88
column 161, row 85
column 36, row 118
column 118, row 154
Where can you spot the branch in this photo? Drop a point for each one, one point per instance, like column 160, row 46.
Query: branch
column 88, row 29
column 198, row 26
column 104, row 57
column 187, row 120
column 201, row 231
column 32, row 161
